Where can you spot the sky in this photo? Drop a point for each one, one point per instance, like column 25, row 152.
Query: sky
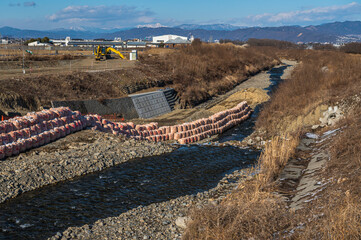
column 111, row 14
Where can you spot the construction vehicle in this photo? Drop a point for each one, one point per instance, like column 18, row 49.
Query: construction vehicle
column 101, row 52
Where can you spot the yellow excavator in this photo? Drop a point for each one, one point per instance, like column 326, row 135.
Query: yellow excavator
column 100, row 52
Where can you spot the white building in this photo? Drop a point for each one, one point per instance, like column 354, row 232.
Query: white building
column 38, row 44
column 4, row 41
column 166, row 38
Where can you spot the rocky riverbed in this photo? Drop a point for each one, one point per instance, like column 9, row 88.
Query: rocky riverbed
column 164, row 220
column 78, row 154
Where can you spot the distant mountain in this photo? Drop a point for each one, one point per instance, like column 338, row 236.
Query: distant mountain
column 292, row 33
column 338, row 28
column 57, row 33
column 329, row 32
column 225, row 27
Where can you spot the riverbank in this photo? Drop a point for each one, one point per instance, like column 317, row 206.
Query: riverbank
column 303, row 191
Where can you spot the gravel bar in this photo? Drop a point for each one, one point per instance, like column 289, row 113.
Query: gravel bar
column 75, row 155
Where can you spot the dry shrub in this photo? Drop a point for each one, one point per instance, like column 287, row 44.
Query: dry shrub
column 274, row 157
column 248, row 213
column 252, row 211
column 202, row 71
column 353, row 47
column 341, row 219
column 339, row 205
column 322, row 77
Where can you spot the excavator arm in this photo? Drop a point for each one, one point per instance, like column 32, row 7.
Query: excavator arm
column 110, row 49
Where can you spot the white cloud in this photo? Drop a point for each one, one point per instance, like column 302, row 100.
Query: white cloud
column 102, row 16
column 310, row 16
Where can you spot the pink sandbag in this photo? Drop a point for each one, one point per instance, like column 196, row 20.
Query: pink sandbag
column 8, row 150
column 8, row 127
column 105, row 122
column 68, row 129
column 47, row 138
column 22, row 145
column 83, row 123
column 41, row 139
column 16, row 148
column 16, row 125
column 72, row 127
column 28, row 143
column 52, row 135
column 57, row 133
column 54, row 123
column 62, row 130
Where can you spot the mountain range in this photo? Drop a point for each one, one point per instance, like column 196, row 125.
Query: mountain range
column 329, row 32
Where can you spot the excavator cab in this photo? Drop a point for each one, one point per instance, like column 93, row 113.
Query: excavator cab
column 101, row 51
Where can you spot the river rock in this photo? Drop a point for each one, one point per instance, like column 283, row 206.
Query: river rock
column 181, row 222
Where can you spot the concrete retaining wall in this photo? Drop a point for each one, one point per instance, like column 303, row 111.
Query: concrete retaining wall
column 121, row 106
column 151, row 104
column 146, row 105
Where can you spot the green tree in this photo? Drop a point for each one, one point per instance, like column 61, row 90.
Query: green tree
column 45, row 40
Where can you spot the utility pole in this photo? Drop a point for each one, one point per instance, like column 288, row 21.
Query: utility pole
column 22, row 46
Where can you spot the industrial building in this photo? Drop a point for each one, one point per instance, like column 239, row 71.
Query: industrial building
column 117, row 43
column 166, row 38
column 39, row 44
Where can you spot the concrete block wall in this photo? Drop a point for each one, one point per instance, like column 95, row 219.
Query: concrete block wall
column 145, row 105
column 151, row 104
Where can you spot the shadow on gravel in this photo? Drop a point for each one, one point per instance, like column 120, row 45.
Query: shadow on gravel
column 40, row 214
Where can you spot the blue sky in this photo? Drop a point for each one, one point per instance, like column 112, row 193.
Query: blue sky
column 50, row 14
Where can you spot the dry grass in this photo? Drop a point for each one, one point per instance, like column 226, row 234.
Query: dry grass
column 275, row 156
column 202, row 71
column 252, row 211
column 338, row 207
column 323, row 77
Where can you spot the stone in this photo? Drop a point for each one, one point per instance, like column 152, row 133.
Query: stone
column 181, row 222
column 314, row 127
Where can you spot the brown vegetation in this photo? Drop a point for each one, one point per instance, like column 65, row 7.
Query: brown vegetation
column 340, row 215
column 351, row 48
column 202, row 71
column 322, row 77
column 82, row 85
column 254, row 210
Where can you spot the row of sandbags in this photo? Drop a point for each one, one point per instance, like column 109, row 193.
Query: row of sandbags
column 203, row 128
column 38, row 128
column 183, row 133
